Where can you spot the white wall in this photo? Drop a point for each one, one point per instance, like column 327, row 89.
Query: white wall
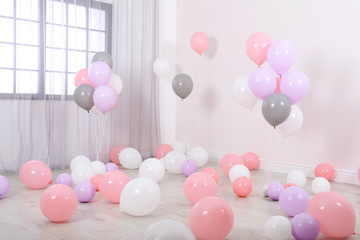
column 326, row 35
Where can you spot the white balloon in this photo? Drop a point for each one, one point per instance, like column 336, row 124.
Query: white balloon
column 116, row 83
column 99, row 167
column 167, row 229
column 161, row 67
column 79, row 160
column 320, row 184
column 198, row 155
column 82, row 172
column 162, row 160
column 130, row 158
column 152, row 168
column 278, row 228
column 140, row 196
column 237, row 171
column 174, row 161
column 242, row 92
column 178, row 146
column 297, row 177
column 293, row 123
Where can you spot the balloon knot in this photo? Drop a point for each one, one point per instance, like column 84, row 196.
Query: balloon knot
column 88, row 111
column 274, row 127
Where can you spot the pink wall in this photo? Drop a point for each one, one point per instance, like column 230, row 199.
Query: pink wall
column 326, row 35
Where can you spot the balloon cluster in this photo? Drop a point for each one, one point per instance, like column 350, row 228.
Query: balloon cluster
column 97, row 86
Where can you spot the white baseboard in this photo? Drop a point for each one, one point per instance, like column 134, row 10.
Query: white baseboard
column 341, row 175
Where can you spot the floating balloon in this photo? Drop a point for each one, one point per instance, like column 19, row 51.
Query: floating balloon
column 161, row 67
column 199, row 42
column 276, row 108
column 296, row 177
column 174, row 161
column 85, row 191
column 111, row 185
column 189, row 167
column 242, row 186
column 167, row 229
column 198, row 155
column 81, row 77
column 324, row 170
column 293, row 123
column 229, row 160
column 114, row 154
column 130, row 158
column 251, row 160
column 182, row 85
column 278, row 228
column 293, row 200
column 257, row 47
column 281, row 56
column 115, row 83
column 304, row 227
column 83, row 96
column 320, row 184
column 162, row 150
column 262, row 82
column 242, row 92
column 152, row 168
column 274, row 190
column 64, row 178
column 79, row 160
column 35, row 174
column 295, row 85
column 4, row 186
column 199, row 185
column 237, row 171
column 105, row 98
column 212, row 172
column 102, row 57
column 99, row 74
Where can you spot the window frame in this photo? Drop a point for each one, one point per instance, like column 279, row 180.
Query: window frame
column 42, row 21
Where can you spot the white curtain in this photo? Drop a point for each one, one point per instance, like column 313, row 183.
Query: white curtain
column 51, row 127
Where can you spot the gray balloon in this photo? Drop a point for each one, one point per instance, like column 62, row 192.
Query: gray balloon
column 103, row 57
column 182, row 85
column 276, row 108
column 83, row 96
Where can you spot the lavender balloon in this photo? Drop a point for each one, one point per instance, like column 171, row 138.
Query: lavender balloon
column 274, row 190
column 85, row 191
column 65, row 179
column 281, row 56
column 293, row 200
column 262, row 82
column 105, row 98
column 4, row 186
column 304, row 227
column 99, row 74
column 189, row 167
column 111, row 167
column 295, row 85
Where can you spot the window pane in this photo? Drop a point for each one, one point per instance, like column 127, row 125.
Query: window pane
column 27, row 81
column 55, row 60
column 27, row 57
column 27, row 32
column 7, row 8
column 71, row 84
column 55, row 83
column 55, row 36
column 7, row 55
column 7, row 81
column 77, row 39
column 97, row 19
column 27, row 9
column 77, row 16
column 76, row 61
column 55, row 12
column 7, row 30
column 97, row 41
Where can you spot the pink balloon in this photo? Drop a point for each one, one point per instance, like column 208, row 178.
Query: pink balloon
column 257, row 47
column 278, row 82
column 242, row 186
column 199, row 42
column 229, row 160
column 162, row 150
column 334, row 214
column 81, row 77
column 199, row 185
column 99, row 74
column 105, row 98
column 251, row 160
column 111, row 185
column 281, row 56
column 324, row 170
column 295, row 85
column 211, row 218
column 95, row 180
column 58, row 202
column 289, row 185
column 213, row 173
column 35, row 174
column 262, row 82
column 114, row 154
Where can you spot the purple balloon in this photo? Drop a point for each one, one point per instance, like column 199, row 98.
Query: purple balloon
column 281, row 56
column 105, row 98
column 4, row 186
column 304, row 227
column 99, row 74
column 262, row 82
column 274, row 190
column 294, row 200
column 295, row 85
column 111, row 166
column 85, row 191
column 189, row 167
column 65, row 179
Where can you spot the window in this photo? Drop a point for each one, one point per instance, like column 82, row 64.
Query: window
column 43, row 43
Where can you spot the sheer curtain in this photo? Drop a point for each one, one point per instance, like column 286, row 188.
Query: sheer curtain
column 39, row 118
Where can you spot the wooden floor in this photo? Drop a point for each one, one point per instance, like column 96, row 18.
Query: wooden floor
column 21, row 218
